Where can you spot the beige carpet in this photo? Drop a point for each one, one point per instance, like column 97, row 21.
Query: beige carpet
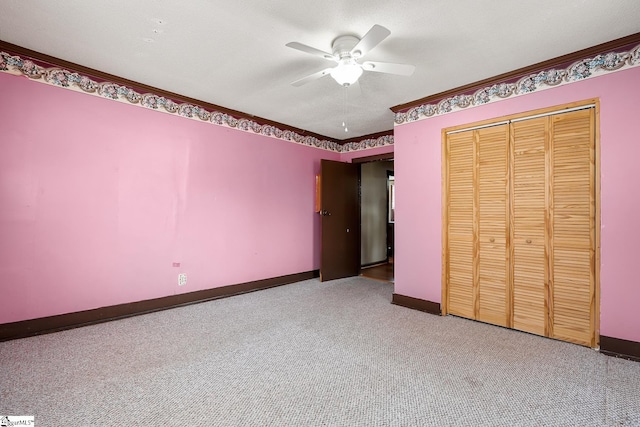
column 311, row 354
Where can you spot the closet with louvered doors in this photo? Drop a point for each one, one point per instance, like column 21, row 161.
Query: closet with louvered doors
column 478, row 224
column 520, row 221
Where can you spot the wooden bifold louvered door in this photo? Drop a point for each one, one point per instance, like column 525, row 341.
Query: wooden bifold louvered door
column 519, row 217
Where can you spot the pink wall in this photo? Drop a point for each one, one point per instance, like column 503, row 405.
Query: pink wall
column 418, row 179
column 98, row 199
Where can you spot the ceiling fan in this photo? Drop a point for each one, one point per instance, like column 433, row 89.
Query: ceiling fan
column 346, row 51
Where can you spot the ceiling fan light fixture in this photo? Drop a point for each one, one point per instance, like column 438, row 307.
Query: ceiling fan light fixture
column 346, row 73
column 347, row 50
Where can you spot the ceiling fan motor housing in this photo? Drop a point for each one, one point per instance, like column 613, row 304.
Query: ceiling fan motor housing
column 342, row 46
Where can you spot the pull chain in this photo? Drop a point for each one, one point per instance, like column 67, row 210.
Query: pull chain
column 344, row 112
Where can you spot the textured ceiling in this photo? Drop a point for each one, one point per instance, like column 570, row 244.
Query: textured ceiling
column 233, row 54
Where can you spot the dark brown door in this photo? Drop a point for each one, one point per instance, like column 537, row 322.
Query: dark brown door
column 340, row 210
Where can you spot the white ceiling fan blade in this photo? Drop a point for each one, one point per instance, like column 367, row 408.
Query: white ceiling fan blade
column 388, row 67
column 312, row 77
column 311, row 50
column 374, row 36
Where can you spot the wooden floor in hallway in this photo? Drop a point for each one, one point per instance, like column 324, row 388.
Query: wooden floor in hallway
column 382, row 272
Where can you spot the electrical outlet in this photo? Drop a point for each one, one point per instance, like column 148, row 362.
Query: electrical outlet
column 182, row 279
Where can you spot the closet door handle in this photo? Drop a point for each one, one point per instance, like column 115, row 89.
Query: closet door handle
column 492, row 240
column 528, row 240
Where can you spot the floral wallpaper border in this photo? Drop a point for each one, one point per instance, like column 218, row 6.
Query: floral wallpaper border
column 580, row 70
column 71, row 80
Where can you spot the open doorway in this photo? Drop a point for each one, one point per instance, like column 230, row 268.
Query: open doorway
column 362, row 217
column 377, row 218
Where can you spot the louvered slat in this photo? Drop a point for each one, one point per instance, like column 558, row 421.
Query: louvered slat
column 493, row 216
column 460, row 224
column 573, row 219
column 528, row 204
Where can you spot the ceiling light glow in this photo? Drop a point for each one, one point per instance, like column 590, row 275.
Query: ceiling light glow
column 347, row 72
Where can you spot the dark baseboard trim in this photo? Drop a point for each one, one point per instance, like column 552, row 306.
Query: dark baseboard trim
column 617, row 347
column 45, row 325
column 416, row 304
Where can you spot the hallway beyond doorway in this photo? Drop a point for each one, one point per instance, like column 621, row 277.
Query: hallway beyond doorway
column 382, row 272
